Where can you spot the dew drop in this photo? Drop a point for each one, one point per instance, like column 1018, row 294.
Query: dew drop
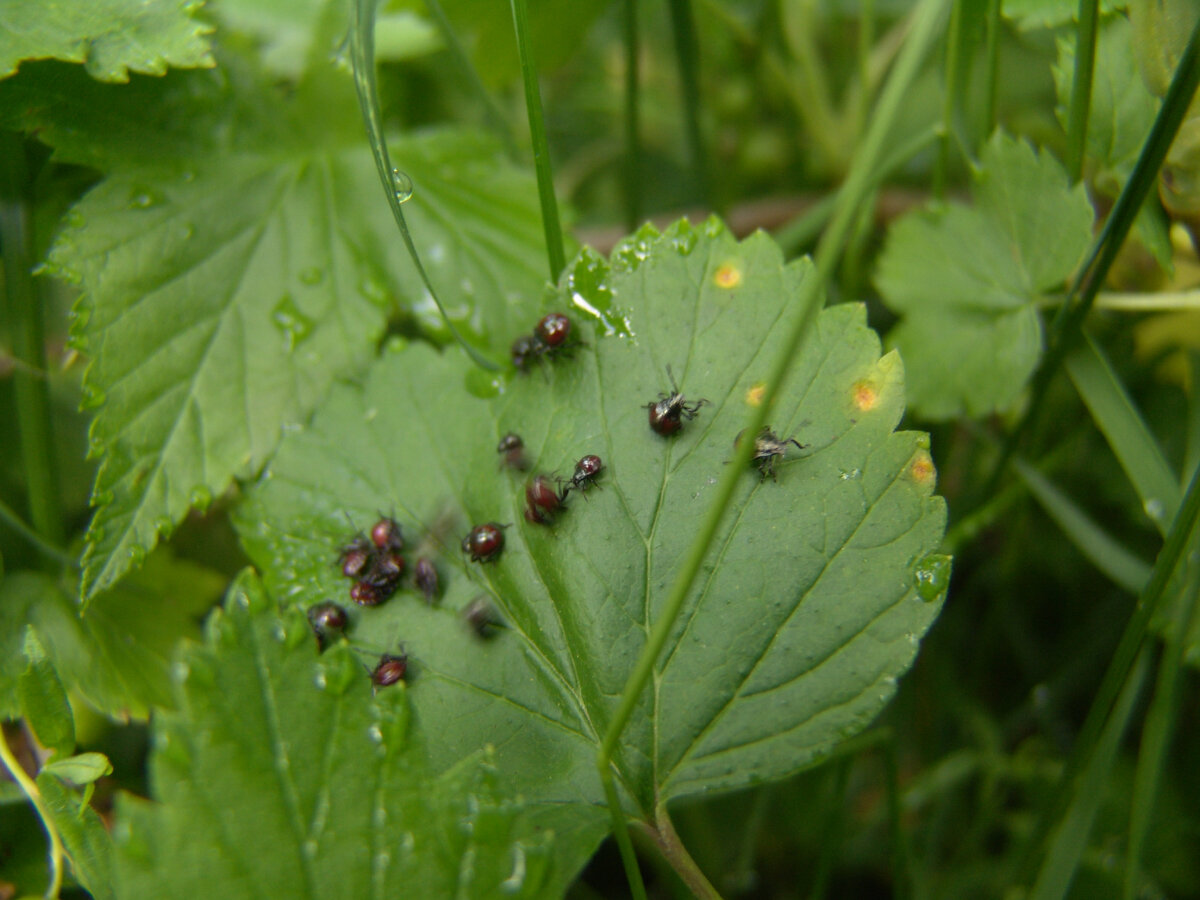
column 93, row 397
column 186, row 231
column 200, row 498
column 482, row 384
column 137, row 555
column 102, row 498
column 144, row 198
column 1154, row 509
column 96, row 446
column 312, row 275
column 932, row 576
column 402, row 185
column 294, row 325
column 163, row 525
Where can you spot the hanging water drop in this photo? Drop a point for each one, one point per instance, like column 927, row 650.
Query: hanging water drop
column 402, row 185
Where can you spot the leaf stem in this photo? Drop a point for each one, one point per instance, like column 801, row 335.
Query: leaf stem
column 991, row 70
column 48, row 550
column 927, row 17
column 1081, row 87
column 687, row 54
column 633, row 150
column 633, row 874
column 362, row 56
column 674, row 852
column 949, row 100
column 29, row 786
column 1066, row 327
column 537, row 136
column 24, row 313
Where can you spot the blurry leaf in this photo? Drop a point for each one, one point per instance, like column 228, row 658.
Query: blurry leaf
column 117, row 655
column 1121, row 113
column 82, row 768
column 966, row 280
column 44, row 703
column 281, row 776
column 1033, row 14
column 88, row 845
column 1160, row 34
column 110, row 37
column 811, row 605
column 228, row 282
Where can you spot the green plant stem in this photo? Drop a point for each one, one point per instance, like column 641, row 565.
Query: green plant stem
column 991, row 72
column 1130, row 645
column 687, row 55
column 537, row 137
column 491, row 110
column 24, row 314
column 866, row 40
column 621, row 831
column 1081, row 87
column 633, row 143
column 927, row 18
column 832, row 828
column 29, row 786
column 1066, row 327
column 949, row 99
column 681, row 861
column 1158, row 729
column 39, row 543
column 362, row 56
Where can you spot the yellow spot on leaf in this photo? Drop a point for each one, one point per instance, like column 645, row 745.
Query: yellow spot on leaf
column 728, row 276
column 866, row 395
column 754, row 396
column 921, row 469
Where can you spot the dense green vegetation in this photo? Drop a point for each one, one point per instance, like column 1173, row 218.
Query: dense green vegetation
column 279, row 279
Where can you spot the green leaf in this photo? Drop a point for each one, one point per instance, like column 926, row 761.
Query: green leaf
column 44, row 703
column 84, row 836
column 281, row 775
column 117, row 654
column 229, row 281
column 1121, row 114
column 966, row 280
column 110, row 37
column 810, row 609
column 83, row 768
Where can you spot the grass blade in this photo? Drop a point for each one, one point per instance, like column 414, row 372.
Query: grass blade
column 1070, row 839
column 537, row 137
column 396, row 184
column 1081, row 86
column 687, row 52
column 1126, row 431
column 1156, row 733
column 1100, row 548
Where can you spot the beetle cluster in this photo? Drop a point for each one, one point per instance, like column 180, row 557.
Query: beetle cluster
column 375, row 564
column 550, row 339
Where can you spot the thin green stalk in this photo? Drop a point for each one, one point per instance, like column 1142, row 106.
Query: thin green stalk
column 1081, row 86
column 1086, row 792
column 1158, row 729
column 866, row 40
column 633, row 874
column 24, row 314
column 928, row 17
column 44, row 547
column 396, row 185
column 831, row 831
column 687, row 55
column 537, row 137
column 901, row 877
column 633, row 143
column 991, row 71
column 29, row 786
column 1122, row 661
column 674, row 852
column 1065, row 329
column 491, row 109
column 949, row 101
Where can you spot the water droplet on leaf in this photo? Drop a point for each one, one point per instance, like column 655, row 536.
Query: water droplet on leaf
column 200, row 497
column 932, row 576
column 93, row 397
column 144, row 198
column 312, row 275
column 294, row 325
column 402, row 185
